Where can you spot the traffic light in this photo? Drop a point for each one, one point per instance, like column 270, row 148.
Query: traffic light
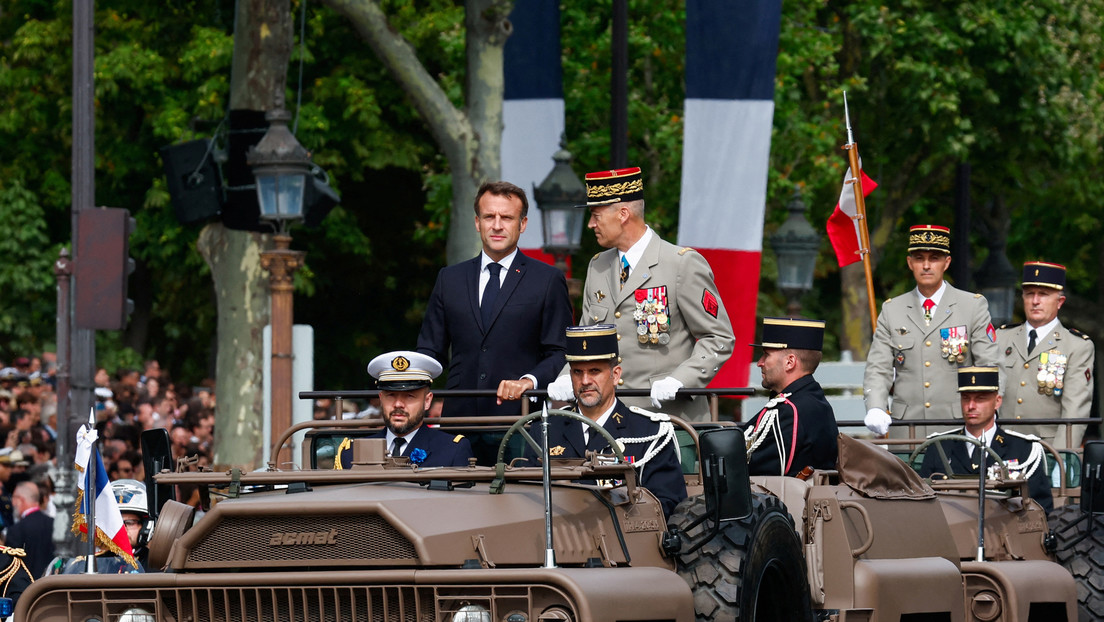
column 103, row 266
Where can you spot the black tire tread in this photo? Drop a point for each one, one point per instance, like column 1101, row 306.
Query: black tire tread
column 1085, row 560
column 714, row 571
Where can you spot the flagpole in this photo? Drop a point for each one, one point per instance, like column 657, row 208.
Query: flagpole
column 860, row 215
column 90, row 498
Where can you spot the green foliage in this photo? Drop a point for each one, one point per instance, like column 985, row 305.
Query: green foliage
column 26, row 273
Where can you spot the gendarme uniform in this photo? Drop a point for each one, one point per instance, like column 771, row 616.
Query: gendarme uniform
column 647, row 438
column 669, row 315
column 797, row 427
column 915, row 358
column 1021, row 452
column 1052, row 381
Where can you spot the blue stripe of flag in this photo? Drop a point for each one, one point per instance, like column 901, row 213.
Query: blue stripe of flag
column 731, row 48
column 532, row 55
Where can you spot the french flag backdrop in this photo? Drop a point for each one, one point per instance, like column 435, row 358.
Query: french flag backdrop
column 731, row 49
column 533, row 106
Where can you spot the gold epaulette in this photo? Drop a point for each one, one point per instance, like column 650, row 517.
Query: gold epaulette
column 682, row 251
column 14, row 552
column 346, row 443
column 457, row 438
column 1077, row 333
column 977, row 295
column 1008, row 326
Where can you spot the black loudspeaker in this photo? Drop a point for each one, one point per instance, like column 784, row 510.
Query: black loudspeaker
column 725, row 472
column 195, row 183
column 318, row 199
column 157, row 455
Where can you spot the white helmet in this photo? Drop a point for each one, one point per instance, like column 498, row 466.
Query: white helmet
column 131, row 496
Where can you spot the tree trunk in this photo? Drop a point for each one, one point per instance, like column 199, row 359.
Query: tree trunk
column 241, row 292
column 470, row 139
column 262, row 48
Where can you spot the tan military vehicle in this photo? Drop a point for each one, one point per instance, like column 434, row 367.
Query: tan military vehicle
column 387, row 540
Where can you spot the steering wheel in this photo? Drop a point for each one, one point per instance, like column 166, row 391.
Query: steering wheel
column 519, row 427
column 958, row 437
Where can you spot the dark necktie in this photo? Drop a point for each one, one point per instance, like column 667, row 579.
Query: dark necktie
column 490, row 292
column 624, row 270
column 928, row 304
column 1031, row 336
column 397, row 446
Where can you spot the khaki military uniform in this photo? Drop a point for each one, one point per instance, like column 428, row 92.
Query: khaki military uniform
column 1022, row 399
column 693, row 342
column 907, row 357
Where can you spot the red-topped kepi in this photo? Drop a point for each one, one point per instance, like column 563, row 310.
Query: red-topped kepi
column 929, row 238
column 614, row 186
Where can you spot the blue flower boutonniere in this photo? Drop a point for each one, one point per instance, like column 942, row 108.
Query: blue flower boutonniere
column 417, row 456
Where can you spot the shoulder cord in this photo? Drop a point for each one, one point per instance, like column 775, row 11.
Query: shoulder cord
column 1034, row 459
column 13, row 569
column 767, row 424
column 659, row 440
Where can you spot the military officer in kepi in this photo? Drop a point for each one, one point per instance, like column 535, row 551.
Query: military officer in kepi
column 646, row 438
column 922, row 338
column 403, row 378
column 673, row 329
column 1047, row 365
column 980, row 399
column 797, row 427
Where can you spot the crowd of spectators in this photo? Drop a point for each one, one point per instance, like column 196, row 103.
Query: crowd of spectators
column 127, row 402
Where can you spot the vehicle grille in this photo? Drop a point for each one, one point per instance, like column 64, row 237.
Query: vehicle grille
column 246, row 539
column 323, row 603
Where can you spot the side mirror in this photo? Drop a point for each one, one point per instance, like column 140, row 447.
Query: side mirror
column 156, row 455
column 1092, row 480
column 725, row 473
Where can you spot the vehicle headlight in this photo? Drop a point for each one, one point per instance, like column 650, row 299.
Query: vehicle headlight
column 137, row 614
column 472, row 613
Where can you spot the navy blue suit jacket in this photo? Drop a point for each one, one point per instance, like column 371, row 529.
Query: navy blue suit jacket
column 35, row 535
column 526, row 335
column 441, row 449
column 662, row 475
column 1007, row 446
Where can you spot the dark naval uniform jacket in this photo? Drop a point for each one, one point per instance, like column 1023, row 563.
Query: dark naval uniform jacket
column 1008, row 445
column 35, row 535
column 441, row 449
column 526, row 334
column 662, row 475
column 806, row 424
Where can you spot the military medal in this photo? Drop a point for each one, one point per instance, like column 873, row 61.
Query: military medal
column 651, row 315
column 1052, row 372
column 664, row 339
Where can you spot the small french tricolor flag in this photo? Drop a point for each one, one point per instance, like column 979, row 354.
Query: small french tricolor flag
column 111, row 533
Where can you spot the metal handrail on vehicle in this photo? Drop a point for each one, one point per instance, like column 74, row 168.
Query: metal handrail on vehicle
column 912, row 424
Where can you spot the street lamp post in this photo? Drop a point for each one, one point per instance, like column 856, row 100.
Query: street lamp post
column 795, row 245
column 556, row 198
column 282, row 168
column 996, row 278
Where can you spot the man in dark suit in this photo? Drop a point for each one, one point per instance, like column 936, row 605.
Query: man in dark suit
column 797, row 427
column 647, row 438
column 403, row 378
column 34, row 533
column 979, row 393
column 501, row 314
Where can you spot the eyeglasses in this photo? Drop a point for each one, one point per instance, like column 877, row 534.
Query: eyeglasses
column 132, row 522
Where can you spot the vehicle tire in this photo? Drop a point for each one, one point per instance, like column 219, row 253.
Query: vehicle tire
column 752, row 569
column 1085, row 560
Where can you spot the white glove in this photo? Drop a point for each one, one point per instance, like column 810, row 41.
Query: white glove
column 561, row 389
column 877, row 421
column 664, row 390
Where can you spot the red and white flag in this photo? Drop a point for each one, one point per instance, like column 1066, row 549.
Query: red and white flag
column 110, row 532
column 843, row 228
